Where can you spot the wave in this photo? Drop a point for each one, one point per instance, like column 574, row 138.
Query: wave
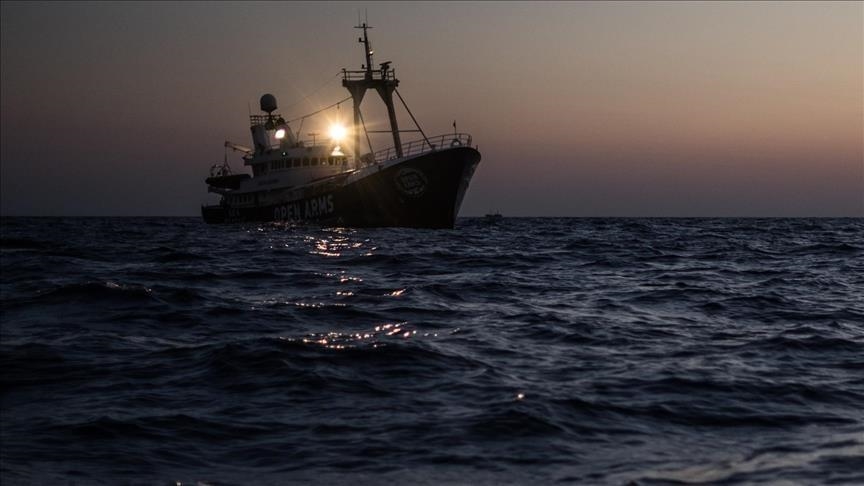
column 843, row 459
column 25, row 244
column 600, row 350
column 94, row 292
column 835, row 249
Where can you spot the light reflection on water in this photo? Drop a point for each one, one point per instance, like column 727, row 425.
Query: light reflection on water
column 377, row 336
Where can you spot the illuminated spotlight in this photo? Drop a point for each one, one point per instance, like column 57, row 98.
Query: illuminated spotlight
column 338, row 132
column 280, row 134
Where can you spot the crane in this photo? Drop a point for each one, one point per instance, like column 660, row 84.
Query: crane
column 238, row 148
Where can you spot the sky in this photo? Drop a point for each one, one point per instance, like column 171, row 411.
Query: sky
column 578, row 108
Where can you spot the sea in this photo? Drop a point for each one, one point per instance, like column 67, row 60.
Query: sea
column 163, row 351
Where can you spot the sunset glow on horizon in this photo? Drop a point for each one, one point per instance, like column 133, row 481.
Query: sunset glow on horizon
column 579, row 109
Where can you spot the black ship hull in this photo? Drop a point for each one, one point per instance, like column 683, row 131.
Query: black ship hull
column 425, row 191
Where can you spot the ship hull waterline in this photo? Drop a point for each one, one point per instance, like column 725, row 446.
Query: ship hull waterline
column 424, row 191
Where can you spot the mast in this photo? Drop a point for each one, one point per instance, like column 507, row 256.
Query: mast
column 383, row 80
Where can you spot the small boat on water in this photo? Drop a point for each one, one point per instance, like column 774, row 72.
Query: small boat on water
column 419, row 184
column 493, row 217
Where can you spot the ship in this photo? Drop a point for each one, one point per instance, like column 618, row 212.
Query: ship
column 493, row 217
column 332, row 181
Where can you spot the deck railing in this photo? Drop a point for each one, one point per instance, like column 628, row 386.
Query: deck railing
column 416, row 147
column 374, row 74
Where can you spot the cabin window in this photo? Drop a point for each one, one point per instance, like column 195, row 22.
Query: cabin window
column 305, row 161
column 314, row 160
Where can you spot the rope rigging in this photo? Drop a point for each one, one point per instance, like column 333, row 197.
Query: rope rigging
column 313, row 93
column 337, row 104
column 300, row 118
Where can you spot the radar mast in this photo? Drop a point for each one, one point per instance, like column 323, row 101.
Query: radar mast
column 383, row 80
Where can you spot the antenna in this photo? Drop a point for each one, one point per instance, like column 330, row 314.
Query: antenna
column 367, row 48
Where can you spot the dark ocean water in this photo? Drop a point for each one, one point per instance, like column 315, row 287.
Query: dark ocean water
column 527, row 351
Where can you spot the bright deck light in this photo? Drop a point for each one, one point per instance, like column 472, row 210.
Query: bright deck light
column 338, row 132
column 280, row 134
